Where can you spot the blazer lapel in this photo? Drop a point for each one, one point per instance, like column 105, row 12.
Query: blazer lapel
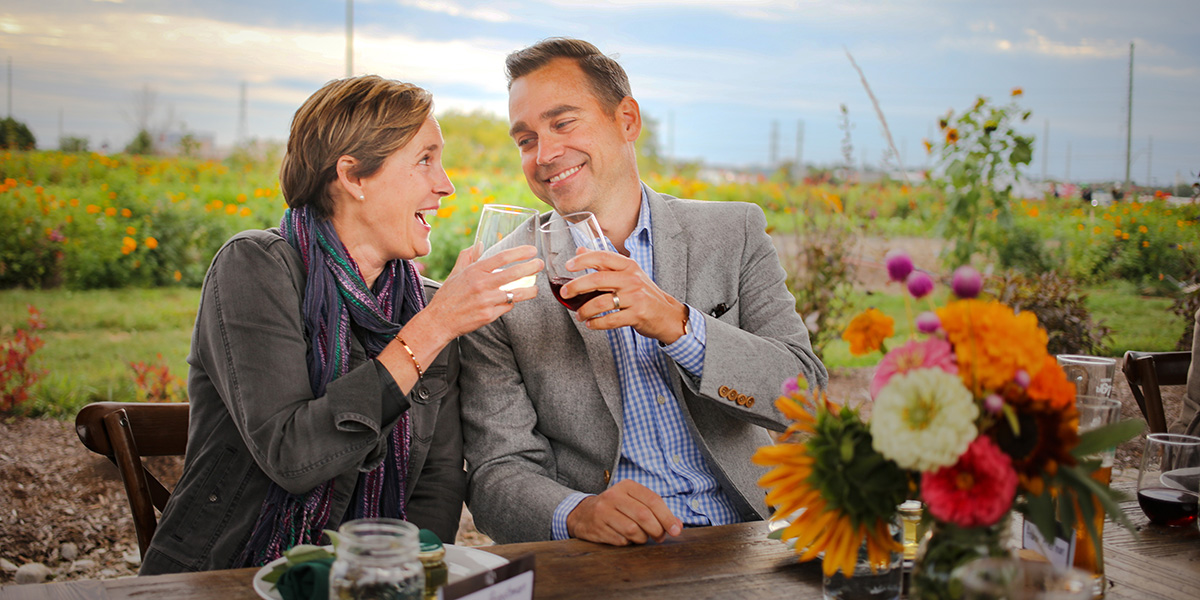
column 670, row 255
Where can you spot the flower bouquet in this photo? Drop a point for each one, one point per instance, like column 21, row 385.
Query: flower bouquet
column 972, row 416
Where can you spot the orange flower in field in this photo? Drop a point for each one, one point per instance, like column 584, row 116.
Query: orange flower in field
column 928, row 146
column 93, row 209
column 991, row 343
column 245, row 212
column 1145, row 244
column 1033, row 212
column 130, row 230
column 231, row 209
column 1017, row 92
column 125, row 212
column 112, row 195
column 128, row 245
column 1142, row 229
column 951, row 135
column 178, row 276
column 110, row 211
column 867, row 331
column 151, row 243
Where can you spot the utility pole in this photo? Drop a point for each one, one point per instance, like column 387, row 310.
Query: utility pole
column 241, row 135
column 1129, row 120
column 349, row 38
column 10, row 87
column 1045, row 148
column 60, row 127
column 800, row 149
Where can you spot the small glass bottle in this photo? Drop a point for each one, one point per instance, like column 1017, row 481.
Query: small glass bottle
column 377, row 559
column 433, row 559
column 910, row 514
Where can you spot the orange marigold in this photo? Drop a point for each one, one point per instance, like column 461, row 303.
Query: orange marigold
column 1049, row 384
column 991, row 343
column 867, row 331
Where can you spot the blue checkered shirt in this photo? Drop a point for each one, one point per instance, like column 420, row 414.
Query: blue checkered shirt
column 657, row 449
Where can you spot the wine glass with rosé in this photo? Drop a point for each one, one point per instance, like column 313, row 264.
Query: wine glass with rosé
column 501, row 222
column 1167, row 481
column 560, row 239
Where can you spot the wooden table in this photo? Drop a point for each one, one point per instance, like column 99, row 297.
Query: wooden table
column 734, row 561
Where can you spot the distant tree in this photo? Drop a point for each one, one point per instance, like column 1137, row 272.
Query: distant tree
column 189, row 146
column 143, row 143
column 71, row 143
column 649, row 147
column 14, row 135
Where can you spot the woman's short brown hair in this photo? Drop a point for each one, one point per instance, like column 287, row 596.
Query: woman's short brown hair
column 608, row 80
column 367, row 117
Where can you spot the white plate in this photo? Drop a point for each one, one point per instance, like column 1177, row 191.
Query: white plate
column 1186, row 479
column 462, row 562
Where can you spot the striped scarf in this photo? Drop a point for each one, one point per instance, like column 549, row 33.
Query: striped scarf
column 335, row 295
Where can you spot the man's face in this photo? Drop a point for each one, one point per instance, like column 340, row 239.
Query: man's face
column 575, row 154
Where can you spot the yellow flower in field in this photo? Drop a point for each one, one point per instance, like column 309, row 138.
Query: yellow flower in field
column 92, row 209
column 178, row 276
column 1179, row 223
column 474, row 208
column 196, row 189
column 1016, row 93
column 104, row 187
column 217, row 204
column 1143, row 229
column 70, row 218
column 445, row 212
column 245, row 212
column 231, row 209
column 1081, row 228
column 466, row 231
column 125, row 212
column 130, row 230
column 1124, row 236
column 151, row 243
column 1096, row 230
column 474, row 190
column 867, row 331
column 241, row 198
column 110, row 211
column 1117, row 232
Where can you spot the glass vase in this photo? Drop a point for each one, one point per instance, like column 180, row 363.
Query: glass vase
column 945, row 548
column 883, row 582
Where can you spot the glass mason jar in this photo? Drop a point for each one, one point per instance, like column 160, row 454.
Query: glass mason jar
column 883, row 581
column 377, row 560
column 947, row 547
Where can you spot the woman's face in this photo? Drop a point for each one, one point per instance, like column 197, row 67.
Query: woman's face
column 411, row 183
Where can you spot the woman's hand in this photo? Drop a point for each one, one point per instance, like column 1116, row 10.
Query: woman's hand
column 471, row 296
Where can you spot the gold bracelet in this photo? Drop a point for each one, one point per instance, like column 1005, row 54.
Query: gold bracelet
column 416, row 364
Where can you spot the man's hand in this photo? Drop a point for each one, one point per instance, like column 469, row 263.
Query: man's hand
column 642, row 304
column 628, row 512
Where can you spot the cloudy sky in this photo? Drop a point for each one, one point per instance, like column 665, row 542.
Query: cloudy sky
column 718, row 75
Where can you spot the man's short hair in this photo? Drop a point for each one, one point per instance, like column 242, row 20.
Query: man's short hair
column 608, row 80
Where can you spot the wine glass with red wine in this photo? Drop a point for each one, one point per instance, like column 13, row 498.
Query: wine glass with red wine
column 1168, row 479
column 560, row 238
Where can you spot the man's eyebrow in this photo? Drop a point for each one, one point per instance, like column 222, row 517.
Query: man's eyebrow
column 549, row 114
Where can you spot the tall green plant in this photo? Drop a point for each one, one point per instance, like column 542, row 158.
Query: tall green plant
column 979, row 160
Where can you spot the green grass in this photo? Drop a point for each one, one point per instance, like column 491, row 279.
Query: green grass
column 91, row 338
column 1138, row 322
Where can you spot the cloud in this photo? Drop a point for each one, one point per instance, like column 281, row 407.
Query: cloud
column 454, row 9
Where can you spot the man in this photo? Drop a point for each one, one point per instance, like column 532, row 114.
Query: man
column 638, row 414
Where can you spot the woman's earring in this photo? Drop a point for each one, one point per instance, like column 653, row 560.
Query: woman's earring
column 362, row 197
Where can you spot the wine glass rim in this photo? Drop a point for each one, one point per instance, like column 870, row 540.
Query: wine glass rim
column 1085, row 358
column 1174, row 439
column 552, row 222
column 511, row 208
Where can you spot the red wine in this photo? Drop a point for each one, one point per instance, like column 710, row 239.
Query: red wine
column 1168, row 506
column 572, row 303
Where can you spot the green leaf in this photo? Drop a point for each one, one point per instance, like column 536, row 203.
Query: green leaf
column 1106, row 437
column 1040, row 510
column 1022, row 152
column 1010, row 414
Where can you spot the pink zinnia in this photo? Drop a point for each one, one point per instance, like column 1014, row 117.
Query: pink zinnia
column 977, row 491
column 933, row 353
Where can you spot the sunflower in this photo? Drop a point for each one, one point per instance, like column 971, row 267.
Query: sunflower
column 838, row 490
column 992, row 343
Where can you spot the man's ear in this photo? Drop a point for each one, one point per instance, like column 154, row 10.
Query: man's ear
column 346, row 180
column 629, row 115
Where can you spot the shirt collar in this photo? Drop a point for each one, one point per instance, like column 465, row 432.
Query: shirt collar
column 643, row 222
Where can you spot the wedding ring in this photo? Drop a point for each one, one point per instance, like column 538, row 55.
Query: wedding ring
column 616, row 301
column 508, row 297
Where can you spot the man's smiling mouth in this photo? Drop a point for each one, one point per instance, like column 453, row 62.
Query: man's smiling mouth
column 565, row 174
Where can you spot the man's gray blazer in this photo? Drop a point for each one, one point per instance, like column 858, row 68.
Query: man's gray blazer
column 541, row 401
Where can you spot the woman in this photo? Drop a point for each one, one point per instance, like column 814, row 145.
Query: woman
column 321, row 384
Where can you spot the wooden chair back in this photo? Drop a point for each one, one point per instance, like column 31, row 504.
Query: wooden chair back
column 1146, row 373
column 125, row 432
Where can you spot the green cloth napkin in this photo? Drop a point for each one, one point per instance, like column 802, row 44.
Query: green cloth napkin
column 306, row 581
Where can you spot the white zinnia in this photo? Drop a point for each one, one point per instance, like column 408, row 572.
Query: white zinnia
column 923, row 419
